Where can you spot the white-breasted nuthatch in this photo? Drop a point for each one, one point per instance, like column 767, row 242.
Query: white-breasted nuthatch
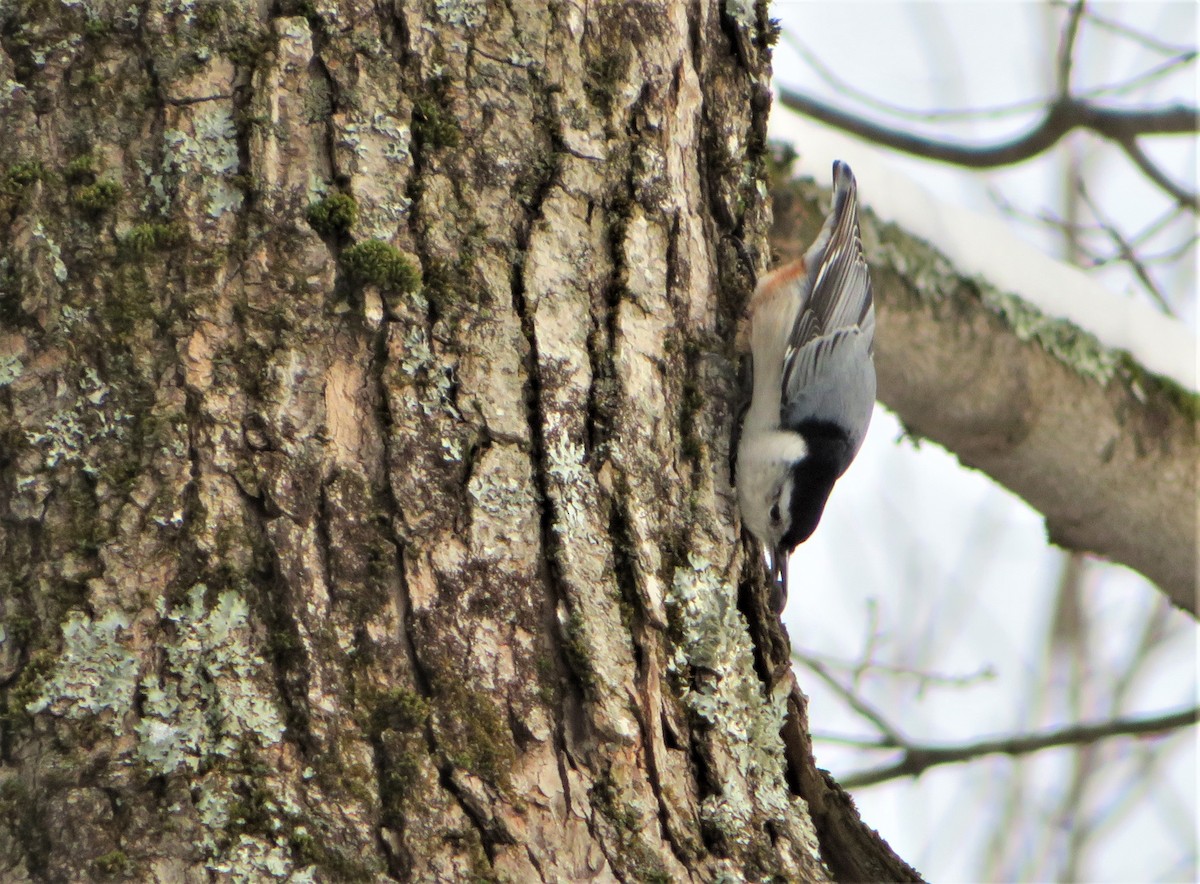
column 811, row 334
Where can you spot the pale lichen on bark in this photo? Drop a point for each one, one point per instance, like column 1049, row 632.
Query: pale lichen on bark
column 745, row 717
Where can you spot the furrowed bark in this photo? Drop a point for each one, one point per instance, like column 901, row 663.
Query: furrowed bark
column 365, row 378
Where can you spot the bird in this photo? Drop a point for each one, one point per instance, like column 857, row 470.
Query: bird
column 811, row 334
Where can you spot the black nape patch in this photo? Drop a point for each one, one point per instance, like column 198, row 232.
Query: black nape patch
column 814, row 476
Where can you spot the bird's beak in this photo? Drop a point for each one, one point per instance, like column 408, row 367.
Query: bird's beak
column 777, row 562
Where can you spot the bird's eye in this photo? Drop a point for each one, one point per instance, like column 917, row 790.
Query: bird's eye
column 775, row 513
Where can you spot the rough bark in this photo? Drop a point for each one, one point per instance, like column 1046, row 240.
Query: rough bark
column 1107, row 452
column 364, row 379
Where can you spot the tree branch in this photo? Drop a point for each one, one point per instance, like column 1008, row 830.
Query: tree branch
column 925, row 114
column 1143, row 79
column 847, row 89
column 917, row 759
column 1061, row 117
column 1147, row 41
column 923, row 678
column 1066, row 50
column 853, row 700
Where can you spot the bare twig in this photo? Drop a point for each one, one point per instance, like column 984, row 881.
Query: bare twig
column 847, row 89
column 869, row 646
column 844, row 87
column 855, row 702
column 1070, row 651
column 1174, row 253
column 1094, row 259
column 869, row 666
column 1157, row 226
column 917, row 759
column 1147, row 40
column 1066, row 49
column 852, row 740
column 1134, row 151
column 1142, row 79
column 1125, row 251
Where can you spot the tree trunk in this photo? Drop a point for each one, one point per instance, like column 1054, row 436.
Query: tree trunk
column 364, row 415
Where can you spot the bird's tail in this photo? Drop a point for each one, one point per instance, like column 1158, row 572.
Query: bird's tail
column 839, row 283
column 841, row 225
column 845, row 192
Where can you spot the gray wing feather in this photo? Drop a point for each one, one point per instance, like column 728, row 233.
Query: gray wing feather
column 828, row 374
column 833, row 381
column 839, row 284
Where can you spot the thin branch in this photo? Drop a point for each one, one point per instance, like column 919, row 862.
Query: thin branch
column 1147, row 40
column 869, row 646
column 1155, row 227
column 1061, row 117
column 918, row 759
column 855, row 702
column 1174, row 253
column 1066, row 49
column 844, row 87
column 1068, row 650
column 1134, row 151
column 1167, row 256
column 922, row 677
column 851, row 740
column 1125, row 251
column 1140, row 80
column 1095, row 259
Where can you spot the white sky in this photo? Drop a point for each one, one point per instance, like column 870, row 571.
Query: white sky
column 958, row 568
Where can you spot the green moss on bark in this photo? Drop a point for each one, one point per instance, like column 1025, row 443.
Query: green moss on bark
column 333, row 215
column 374, row 262
column 96, row 199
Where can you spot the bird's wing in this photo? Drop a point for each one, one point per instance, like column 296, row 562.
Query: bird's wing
column 839, row 284
column 832, row 382
column 828, row 373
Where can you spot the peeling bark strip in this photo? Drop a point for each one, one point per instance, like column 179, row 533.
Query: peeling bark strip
column 364, row 379
column 1106, row 452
